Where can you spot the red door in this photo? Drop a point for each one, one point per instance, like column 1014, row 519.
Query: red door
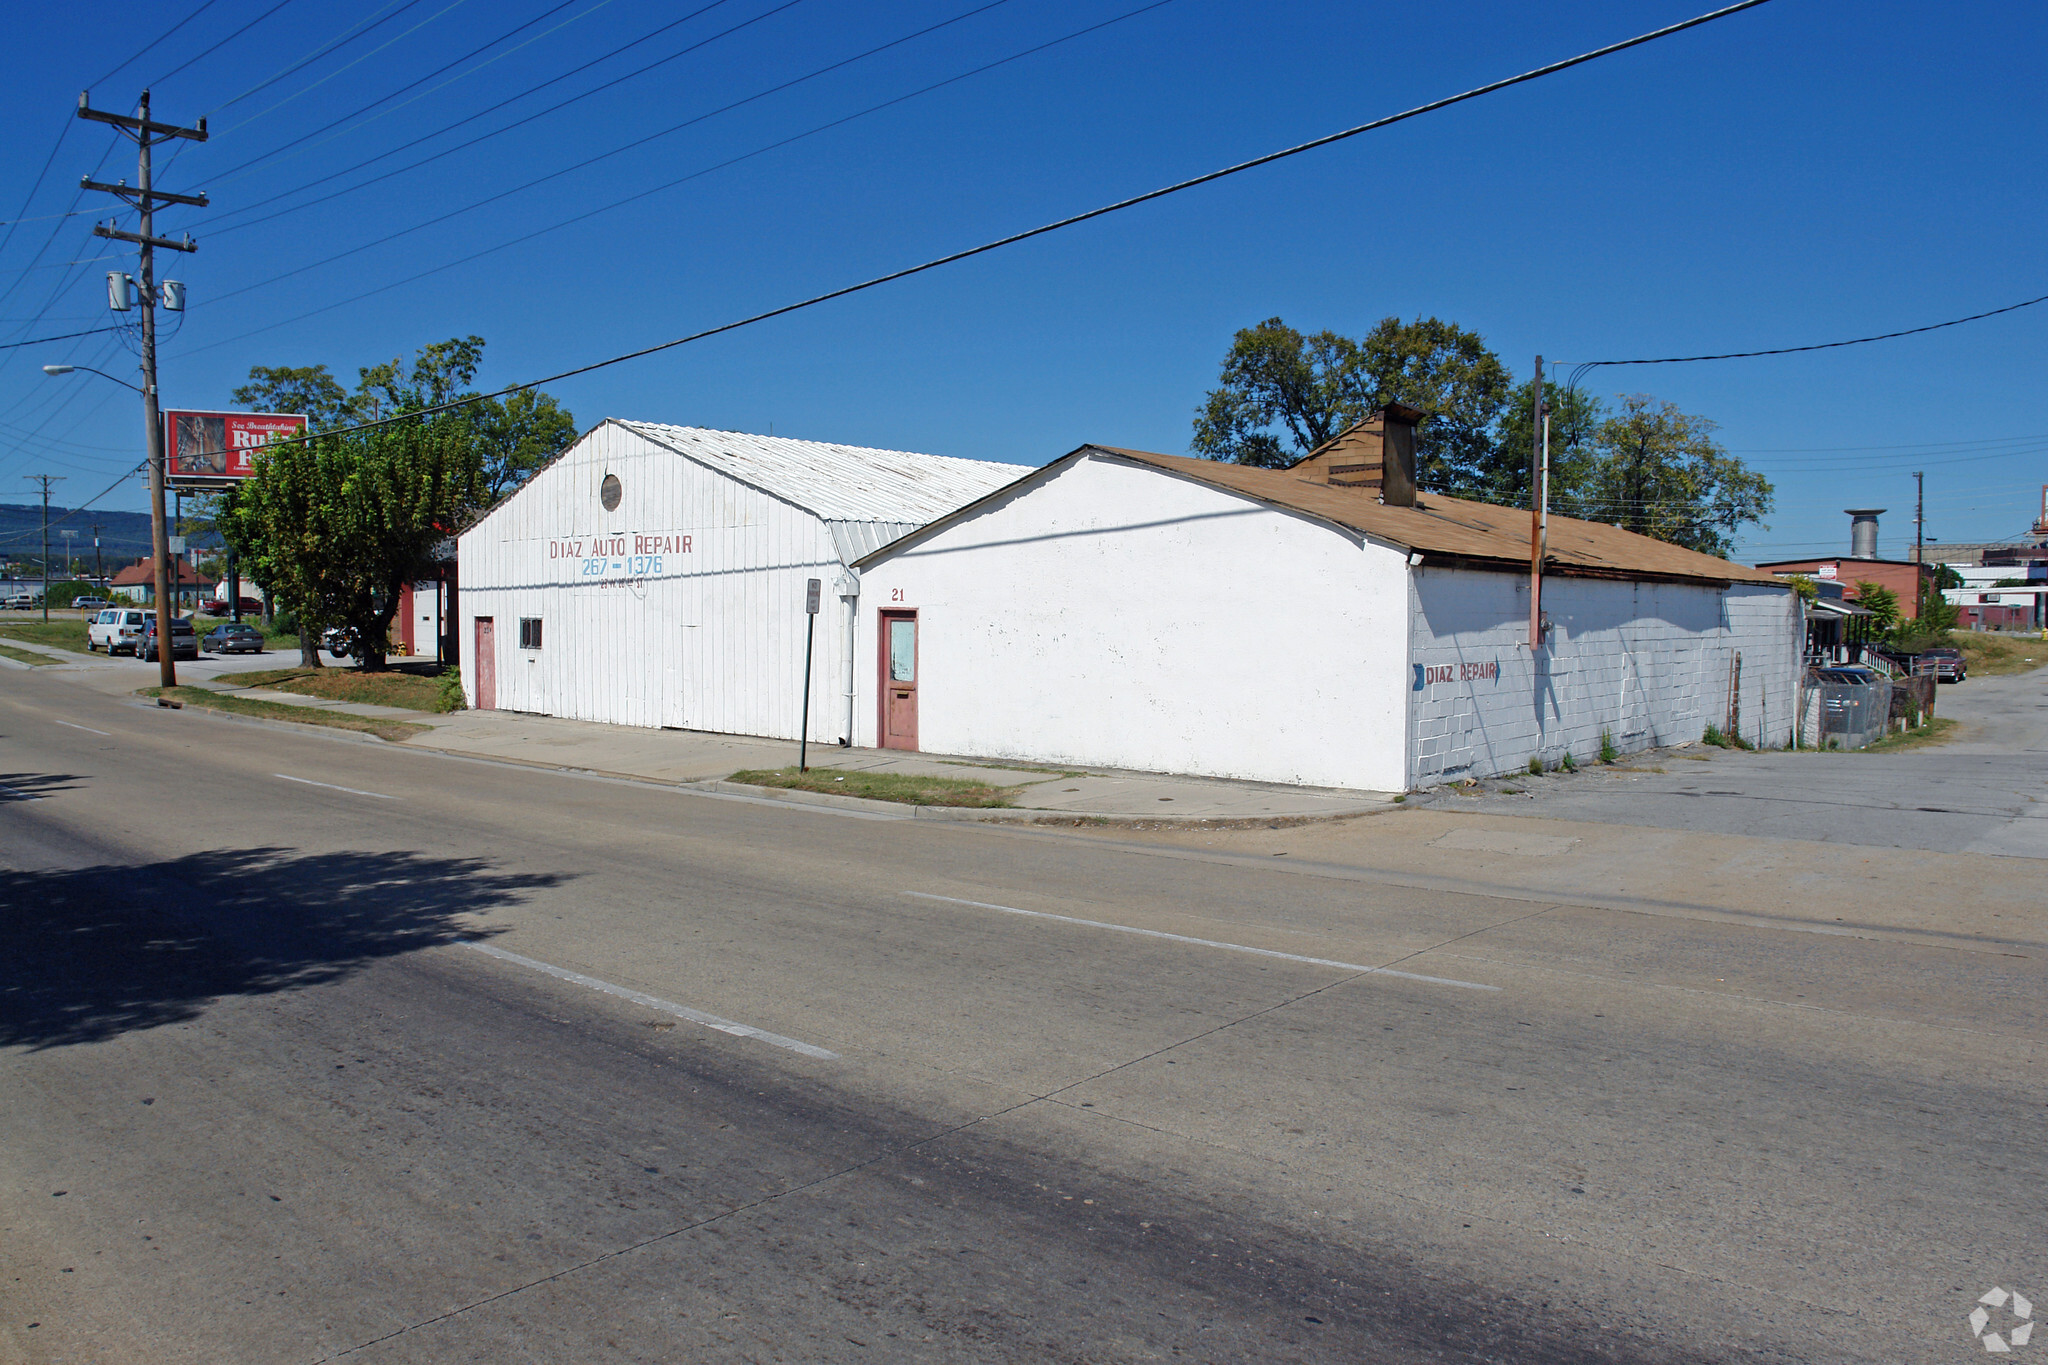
column 899, row 680
column 486, row 665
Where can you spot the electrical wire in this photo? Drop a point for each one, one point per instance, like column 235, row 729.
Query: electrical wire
column 1476, row 92
column 222, row 43
column 236, row 172
column 315, row 85
column 151, row 46
column 382, row 99
column 367, row 24
column 16, row 345
column 650, row 137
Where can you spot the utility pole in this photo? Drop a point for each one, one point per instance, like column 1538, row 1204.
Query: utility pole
column 145, row 197
column 46, row 480
column 1919, row 543
column 1537, row 499
column 99, row 570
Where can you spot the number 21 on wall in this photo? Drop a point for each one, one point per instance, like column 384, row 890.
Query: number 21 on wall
column 896, row 595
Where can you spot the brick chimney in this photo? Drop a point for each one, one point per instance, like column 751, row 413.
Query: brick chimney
column 1376, row 454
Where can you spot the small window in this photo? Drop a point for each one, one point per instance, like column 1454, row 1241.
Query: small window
column 608, row 492
column 529, row 632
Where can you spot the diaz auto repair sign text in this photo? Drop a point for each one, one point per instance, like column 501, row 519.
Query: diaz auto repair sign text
column 640, row 554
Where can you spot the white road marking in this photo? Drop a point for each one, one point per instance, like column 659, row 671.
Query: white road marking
column 1209, row 943
column 331, row 787
column 87, row 728
column 655, row 1002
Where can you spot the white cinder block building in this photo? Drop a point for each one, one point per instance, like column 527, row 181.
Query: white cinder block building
column 655, row 575
column 1126, row 609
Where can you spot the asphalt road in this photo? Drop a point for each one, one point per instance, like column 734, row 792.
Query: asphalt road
column 445, row 1061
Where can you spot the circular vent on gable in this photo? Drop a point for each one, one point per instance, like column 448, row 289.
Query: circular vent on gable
column 608, row 492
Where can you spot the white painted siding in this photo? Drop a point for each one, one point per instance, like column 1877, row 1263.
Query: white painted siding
column 1643, row 663
column 1113, row 615
column 711, row 640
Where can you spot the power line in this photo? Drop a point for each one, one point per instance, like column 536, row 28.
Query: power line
column 90, row 331
column 222, row 43
column 642, row 194
column 452, row 4
column 482, row 47
column 640, row 141
column 1535, row 73
column 236, row 171
column 1589, row 365
column 150, row 46
column 367, row 24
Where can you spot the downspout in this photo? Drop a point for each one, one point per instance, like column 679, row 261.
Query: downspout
column 848, row 588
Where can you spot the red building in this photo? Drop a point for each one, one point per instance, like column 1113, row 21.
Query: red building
column 1902, row 576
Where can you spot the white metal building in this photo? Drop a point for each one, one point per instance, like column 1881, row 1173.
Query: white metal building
column 655, row 575
column 1153, row 612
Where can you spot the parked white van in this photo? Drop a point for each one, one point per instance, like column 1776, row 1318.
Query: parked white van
column 116, row 630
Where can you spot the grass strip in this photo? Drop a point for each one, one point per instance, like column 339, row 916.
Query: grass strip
column 62, row 634
column 1999, row 655
column 910, row 789
column 22, row 656
column 1937, row 730
column 409, row 690
column 393, row 730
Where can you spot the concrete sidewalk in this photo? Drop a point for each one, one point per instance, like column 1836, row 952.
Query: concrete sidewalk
column 704, row 760
column 694, row 758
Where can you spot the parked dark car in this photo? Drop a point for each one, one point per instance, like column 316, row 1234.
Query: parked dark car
column 233, row 638
column 1946, row 664
column 218, row 606
column 184, row 640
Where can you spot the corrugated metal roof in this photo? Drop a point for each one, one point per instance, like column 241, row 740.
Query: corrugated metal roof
column 839, row 483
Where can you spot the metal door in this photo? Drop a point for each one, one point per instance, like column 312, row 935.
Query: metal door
column 486, row 664
column 899, row 680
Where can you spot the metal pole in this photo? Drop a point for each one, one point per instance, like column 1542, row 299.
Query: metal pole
column 1536, row 501
column 803, row 749
column 1919, row 544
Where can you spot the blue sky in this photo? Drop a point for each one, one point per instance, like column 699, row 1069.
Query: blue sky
column 1798, row 173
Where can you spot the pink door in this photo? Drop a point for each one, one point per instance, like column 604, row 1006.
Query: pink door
column 486, row 665
column 899, row 680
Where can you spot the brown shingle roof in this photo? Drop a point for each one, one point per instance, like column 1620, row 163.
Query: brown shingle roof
column 1479, row 532
column 182, row 574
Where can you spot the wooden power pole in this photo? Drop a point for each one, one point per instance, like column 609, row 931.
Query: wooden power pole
column 145, row 197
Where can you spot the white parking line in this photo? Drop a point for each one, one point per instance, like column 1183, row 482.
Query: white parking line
column 655, row 1002
column 1209, row 943
column 87, row 728
column 331, row 787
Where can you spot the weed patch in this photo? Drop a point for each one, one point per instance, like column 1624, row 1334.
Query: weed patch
column 22, row 656
column 413, row 691
column 62, row 634
column 393, row 730
column 911, row 789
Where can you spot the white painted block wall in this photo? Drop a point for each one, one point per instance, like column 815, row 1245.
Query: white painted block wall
column 1115, row 616
column 1644, row 664
column 714, row 640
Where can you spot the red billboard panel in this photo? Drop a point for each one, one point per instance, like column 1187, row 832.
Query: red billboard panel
column 218, row 445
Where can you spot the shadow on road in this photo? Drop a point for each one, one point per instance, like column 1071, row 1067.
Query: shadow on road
column 29, row 786
column 90, row 953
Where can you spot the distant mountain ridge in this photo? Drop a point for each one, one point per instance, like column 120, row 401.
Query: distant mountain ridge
column 124, row 536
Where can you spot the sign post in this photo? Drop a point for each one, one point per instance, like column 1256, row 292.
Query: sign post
column 803, row 743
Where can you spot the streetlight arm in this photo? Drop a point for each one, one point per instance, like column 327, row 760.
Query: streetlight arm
column 67, row 369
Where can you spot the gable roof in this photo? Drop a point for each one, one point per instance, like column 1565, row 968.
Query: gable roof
column 838, row 483
column 144, row 574
column 1477, row 534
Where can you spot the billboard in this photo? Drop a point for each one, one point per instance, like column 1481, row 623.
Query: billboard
column 214, row 446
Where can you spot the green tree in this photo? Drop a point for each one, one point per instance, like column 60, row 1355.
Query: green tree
column 517, row 435
column 309, row 389
column 1881, row 602
column 1659, row 472
column 334, row 526
column 1283, row 394
column 1575, row 417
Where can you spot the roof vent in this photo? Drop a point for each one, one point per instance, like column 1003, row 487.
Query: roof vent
column 1863, row 531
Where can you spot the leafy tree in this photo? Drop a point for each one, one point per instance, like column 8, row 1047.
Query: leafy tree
column 1659, row 472
column 1881, row 602
column 305, row 388
column 518, row 435
column 1806, row 587
column 335, row 526
column 1575, row 417
column 1283, row 394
